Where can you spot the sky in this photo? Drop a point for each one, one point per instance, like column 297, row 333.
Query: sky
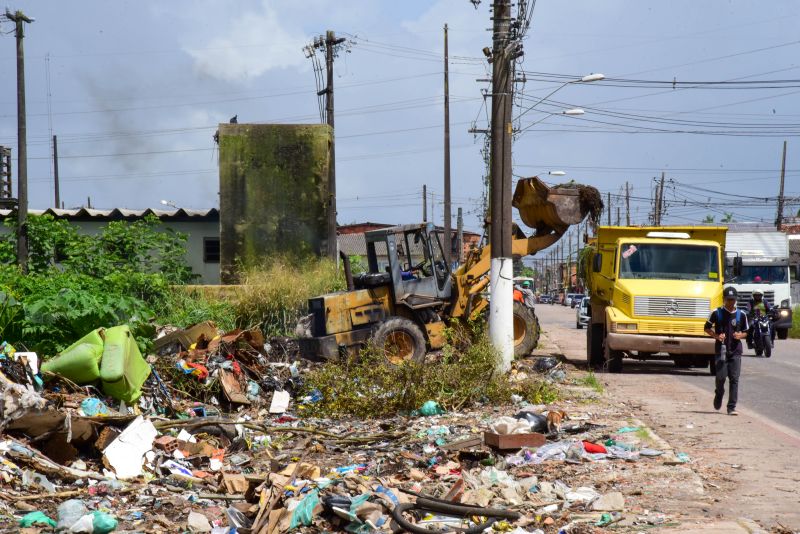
column 134, row 91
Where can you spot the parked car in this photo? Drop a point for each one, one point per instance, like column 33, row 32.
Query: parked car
column 573, row 299
column 545, row 299
column 582, row 313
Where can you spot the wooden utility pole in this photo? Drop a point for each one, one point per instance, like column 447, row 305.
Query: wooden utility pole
column 424, row 203
column 460, row 236
column 779, row 217
column 627, row 204
column 330, row 43
column 19, row 20
column 501, row 329
column 55, row 172
column 448, row 235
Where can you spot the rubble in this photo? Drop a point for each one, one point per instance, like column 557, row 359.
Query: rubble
column 220, row 440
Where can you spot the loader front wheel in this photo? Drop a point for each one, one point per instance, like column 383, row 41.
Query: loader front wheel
column 401, row 340
column 526, row 330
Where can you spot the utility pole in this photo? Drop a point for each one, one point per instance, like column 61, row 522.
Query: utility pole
column 448, row 235
column 424, row 203
column 330, row 44
column 55, row 172
column 19, row 20
column 619, row 220
column 659, row 202
column 609, row 208
column 627, row 204
column 569, row 264
column 460, row 236
column 779, row 217
column 501, row 315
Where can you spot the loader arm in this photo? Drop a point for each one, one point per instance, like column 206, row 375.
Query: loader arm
column 549, row 211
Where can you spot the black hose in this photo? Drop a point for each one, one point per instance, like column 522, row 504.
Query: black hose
column 397, row 516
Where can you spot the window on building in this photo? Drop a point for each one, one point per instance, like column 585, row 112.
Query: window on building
column 211, row 250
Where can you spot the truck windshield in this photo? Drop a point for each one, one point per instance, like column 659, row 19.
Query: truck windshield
column 763, row 274
column 668, row 262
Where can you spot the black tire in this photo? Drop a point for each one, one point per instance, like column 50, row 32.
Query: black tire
column 594, row 345
column 526, row 330
column 700, row 361
column 613, row 360
column 682, row 361
column 783, row 333
column 401, row 340
column 579, row 326
column 768, row 349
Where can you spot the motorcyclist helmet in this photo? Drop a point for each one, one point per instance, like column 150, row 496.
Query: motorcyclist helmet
column 758, row 293
column 526, row 283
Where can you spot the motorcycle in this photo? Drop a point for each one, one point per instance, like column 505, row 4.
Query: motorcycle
column 762, row 334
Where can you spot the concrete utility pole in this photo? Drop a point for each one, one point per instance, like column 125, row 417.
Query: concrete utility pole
column 330, row 43
column 501, row 314
column 659, row 209
column 55, row 172
column 619, row 220
column 460, row 236
column 569, row 264
column 609, row 208
column 779, row 217
column 424, row 203
column 448, row 235
column 19, row 20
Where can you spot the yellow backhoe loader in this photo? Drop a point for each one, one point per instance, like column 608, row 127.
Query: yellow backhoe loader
column 405, row 299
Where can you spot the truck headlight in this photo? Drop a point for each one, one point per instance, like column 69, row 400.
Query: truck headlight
column 785, row 303
column 624, row 327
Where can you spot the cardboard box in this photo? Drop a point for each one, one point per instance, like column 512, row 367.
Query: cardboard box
column 513, row 441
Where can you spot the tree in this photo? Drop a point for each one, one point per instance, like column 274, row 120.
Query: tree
column 709, row 219
column 727, row 218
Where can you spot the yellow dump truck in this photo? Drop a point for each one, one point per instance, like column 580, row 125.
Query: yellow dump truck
column 652, row 289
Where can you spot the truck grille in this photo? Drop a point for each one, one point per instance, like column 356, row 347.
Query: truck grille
column 671, row 307
column 743, row 299
column 679, row 328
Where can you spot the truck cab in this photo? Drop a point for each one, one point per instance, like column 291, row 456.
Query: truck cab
column 652, row 290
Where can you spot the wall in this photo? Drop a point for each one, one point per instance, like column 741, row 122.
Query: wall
column 273, row 192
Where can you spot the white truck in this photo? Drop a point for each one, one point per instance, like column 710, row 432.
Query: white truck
column 764, row 254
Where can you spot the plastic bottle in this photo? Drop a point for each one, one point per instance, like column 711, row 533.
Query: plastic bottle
column 70, row 512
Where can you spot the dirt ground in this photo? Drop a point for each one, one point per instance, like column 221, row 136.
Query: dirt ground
column 746, row 465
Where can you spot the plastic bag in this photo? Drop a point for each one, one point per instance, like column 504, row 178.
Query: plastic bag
column 103, row 523
column 36, row 518
column 303, row 514
column 431, row 407
column 93, row 407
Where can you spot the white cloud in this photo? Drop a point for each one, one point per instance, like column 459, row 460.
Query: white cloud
column 251, row 45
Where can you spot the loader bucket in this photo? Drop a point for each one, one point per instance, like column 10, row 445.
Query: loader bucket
column 554, row 209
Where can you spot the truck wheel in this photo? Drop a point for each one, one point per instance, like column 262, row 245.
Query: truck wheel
column 613, row 360
column 683, row 362
column 401, row 340
column 783, row 333
column 526, row 330
column 594, row 345
column 700, row 361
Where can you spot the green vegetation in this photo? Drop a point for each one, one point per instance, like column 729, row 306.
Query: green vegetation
column 464, row 375
column 78, row 282
column 794, row 331
column 276, row 294
column 590, row 381
column 644, row 434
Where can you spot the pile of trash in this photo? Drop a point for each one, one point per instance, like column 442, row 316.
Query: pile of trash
column 208, row 435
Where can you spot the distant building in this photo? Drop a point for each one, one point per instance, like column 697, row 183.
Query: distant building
column 200, row 226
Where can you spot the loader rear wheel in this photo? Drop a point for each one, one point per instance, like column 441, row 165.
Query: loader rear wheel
column 401, row 340
column 526, row 330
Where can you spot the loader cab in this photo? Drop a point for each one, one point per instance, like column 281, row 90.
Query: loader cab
column 410, row 258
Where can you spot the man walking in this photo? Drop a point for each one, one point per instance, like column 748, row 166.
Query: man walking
column 728, row 326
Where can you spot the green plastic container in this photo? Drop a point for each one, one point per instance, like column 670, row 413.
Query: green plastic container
column 122, row 369
column 80, row 362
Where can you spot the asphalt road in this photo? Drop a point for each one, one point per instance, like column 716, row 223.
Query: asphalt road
column 768, row 386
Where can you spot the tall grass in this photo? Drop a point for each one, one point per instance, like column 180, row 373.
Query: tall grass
column 275, row 295
column 794, row 331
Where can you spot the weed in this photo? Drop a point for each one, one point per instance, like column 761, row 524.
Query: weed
column 276, row 294
column 186, row 307
column 644, row 434
column 590, row 381
column 368, row 386
column 794, row 331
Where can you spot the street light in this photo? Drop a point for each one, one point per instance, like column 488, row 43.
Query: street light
column 570, row 112
column 170, row 204
column 585, row 79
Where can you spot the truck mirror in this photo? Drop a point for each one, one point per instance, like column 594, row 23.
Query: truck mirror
column 597, row 262
column 737, row 266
